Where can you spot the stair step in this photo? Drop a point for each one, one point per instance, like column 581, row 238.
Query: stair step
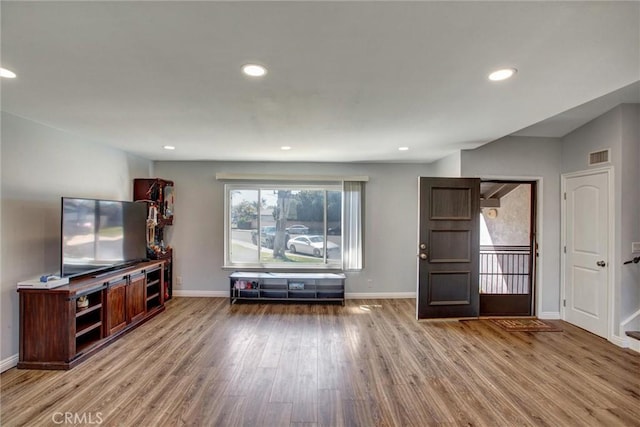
column 634, row 334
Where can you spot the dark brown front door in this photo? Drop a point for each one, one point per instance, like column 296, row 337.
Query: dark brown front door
column 448, row 251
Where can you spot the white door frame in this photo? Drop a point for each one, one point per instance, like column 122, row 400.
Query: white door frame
column 611, row 262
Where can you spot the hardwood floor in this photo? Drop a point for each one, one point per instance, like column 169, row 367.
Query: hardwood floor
column 370, row 363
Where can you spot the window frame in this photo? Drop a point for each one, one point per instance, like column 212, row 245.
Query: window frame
column 260, row 186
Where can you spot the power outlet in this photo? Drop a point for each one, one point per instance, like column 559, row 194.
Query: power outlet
column 179, row 281
column 635, row 247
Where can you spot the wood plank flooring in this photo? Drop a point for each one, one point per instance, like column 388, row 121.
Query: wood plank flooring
column 369, row 363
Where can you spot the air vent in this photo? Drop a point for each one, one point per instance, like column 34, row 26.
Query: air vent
column 599, row 157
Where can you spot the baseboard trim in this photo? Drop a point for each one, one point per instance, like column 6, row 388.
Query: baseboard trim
column 9, row 362
column 619, row 341
column 379, row 295
column 354, row 295
column 549, row 315
column 205, row 294
column 633, row 344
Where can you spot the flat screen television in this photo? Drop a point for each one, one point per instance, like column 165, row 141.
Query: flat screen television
column 99, row 235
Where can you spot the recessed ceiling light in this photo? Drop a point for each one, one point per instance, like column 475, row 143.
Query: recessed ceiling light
column 285, row 148
column 7, row 73
column 169, row 147
column 502, row 74
column 254, row 70
column 403, row 148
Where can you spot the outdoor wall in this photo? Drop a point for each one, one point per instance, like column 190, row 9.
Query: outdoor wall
column 390, row 225
column 40, row 164
column 511, row 226
column 529, row 158
column 617, row 130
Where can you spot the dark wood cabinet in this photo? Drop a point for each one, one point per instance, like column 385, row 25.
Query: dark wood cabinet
column 154, row 295
column 167, row 256
column 89, row 321
column 56, row 332
column 159, row 195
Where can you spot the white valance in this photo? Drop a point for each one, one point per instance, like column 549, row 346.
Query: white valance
column 225, row 176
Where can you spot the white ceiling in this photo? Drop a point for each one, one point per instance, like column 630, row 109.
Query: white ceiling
column 347, row 81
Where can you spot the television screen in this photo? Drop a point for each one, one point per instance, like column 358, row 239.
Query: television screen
column 101, row 234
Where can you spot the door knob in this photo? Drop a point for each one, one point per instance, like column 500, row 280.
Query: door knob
column 601, row 264
column 423, row 256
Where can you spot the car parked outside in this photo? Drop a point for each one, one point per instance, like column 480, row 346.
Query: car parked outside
column 298, row 229
column 267, row 236
column 311, row 245
column 335, row 231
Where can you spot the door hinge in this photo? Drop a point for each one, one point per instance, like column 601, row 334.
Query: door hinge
column 565, row 196
column 564, row 302
column 565, row 249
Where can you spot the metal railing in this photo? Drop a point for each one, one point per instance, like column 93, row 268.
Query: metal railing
column 505, row 269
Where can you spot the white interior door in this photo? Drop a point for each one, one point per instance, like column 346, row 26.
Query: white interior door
column 587, row 257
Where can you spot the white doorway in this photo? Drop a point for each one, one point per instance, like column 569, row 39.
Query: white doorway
column 587, row 222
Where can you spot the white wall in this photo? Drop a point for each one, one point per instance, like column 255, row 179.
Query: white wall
column 2, row 310
column 526, row 157
column 630, row 210
column 38, row 166
column 391, row 209
column 448, row 167
column 618, row 130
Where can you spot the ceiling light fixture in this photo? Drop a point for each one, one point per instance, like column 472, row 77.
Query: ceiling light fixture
column 285, row 148
column 7, row 73
column 254, row 70
column 502, row 74
column 169, row 147
column 403, row 148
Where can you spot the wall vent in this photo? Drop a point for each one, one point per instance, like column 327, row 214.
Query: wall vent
column 599, row 157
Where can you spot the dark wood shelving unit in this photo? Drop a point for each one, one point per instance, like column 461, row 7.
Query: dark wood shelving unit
column 89, row 328
column 151, row 297
column 159, row 195
column 82, row 346
column 84, row 311
column 56, row 334
column 154, row 288
column 83, row 329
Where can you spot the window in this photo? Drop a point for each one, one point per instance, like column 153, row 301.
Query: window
column 292, row 226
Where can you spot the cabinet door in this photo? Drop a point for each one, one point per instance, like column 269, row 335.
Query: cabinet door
column 116, row 308
column 136, row 300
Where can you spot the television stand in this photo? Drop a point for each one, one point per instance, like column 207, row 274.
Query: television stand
column 58, row 332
